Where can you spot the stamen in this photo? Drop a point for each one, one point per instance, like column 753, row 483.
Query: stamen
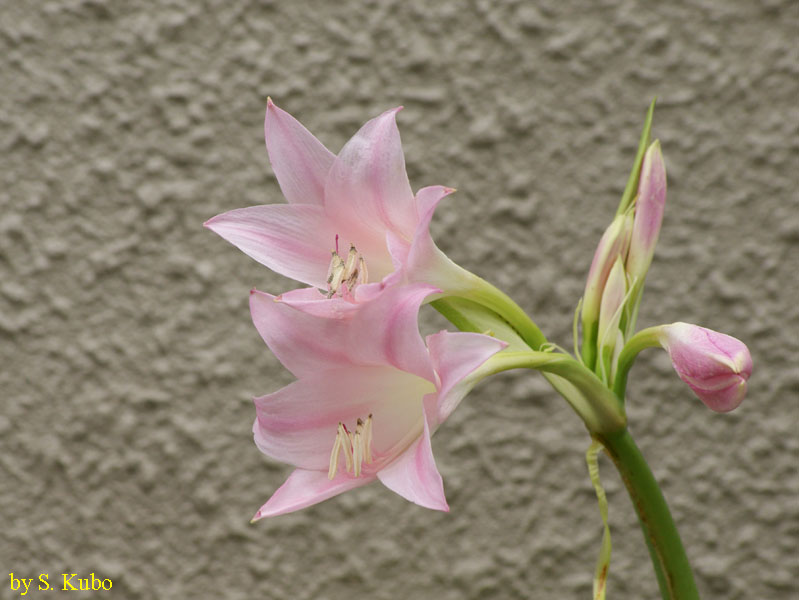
column 357, row 448
column 344, row 276
column 362, row 270
column 335, row 273
column 346, row 445
column 351, row 266
column 331, row 472
column 357, row 453
column 367, row 439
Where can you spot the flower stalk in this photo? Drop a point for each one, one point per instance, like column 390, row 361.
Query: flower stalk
column 594, row 403
column 673, row 571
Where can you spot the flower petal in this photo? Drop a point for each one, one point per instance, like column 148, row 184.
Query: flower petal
column 300, row 161
column 304, row 488
column 293, row 240
column 425, row 262
column 368, row 182
column 386, row 329
column 455, row 356
column 312, row 335
column 303, row 342
column 312, row 301
column 414, row 475
column 398, row 248
column 298, row 423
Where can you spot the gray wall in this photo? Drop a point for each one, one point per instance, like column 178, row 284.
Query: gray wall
column 128, row 360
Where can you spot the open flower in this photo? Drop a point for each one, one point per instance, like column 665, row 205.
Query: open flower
column 352, row 220
column 714, row 365
column 369, row 394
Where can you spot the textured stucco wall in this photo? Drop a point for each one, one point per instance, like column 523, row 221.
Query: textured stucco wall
column 128, row 360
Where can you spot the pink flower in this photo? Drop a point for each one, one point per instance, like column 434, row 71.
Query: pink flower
column 368, row 397
column 714, row 365
column 352, row 220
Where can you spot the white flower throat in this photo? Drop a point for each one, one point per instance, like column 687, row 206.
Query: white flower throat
column 344, row 275
column 356, row 446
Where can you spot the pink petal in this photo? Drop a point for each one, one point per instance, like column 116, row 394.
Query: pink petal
column 425, row 262
column 300, row 161
column 455, row 356
column 698, row 352
column 310, row 335
column 722, row 399
column 398, row 248
column 312, row 301
column 304, row 488
column 427, row 200
column 368, row 182
column 294, row 240
column 297, row 424
column 414, row 475
column 303, row 342
column 387, row 329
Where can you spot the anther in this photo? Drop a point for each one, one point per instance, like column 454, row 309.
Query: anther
column 343, row 276
column 357, row 448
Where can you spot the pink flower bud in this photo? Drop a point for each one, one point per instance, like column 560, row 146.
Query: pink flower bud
column 648, row 212
column 714, row 365
column 612, row 246
column 610, row 315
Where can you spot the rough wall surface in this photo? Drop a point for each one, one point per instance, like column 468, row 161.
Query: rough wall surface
column 128, row 360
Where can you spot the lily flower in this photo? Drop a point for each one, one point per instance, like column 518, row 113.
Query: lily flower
column 369, row 395
column 352, row 225
column 715, row 366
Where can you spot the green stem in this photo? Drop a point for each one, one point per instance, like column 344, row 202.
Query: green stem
column 646, row 338
column 502, row 304
column 675, row 578
column 588, row 396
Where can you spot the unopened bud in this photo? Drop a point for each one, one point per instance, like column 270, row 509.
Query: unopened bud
column 610, row 313
column 714, row 365
column 612, row 246
column 648, row 213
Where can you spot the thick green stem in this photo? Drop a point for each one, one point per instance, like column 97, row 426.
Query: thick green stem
column 675, row 578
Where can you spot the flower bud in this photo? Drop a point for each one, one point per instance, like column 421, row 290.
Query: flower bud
column 610, row 314
column 612, row 245
column 714, row 365
column 648, row 213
